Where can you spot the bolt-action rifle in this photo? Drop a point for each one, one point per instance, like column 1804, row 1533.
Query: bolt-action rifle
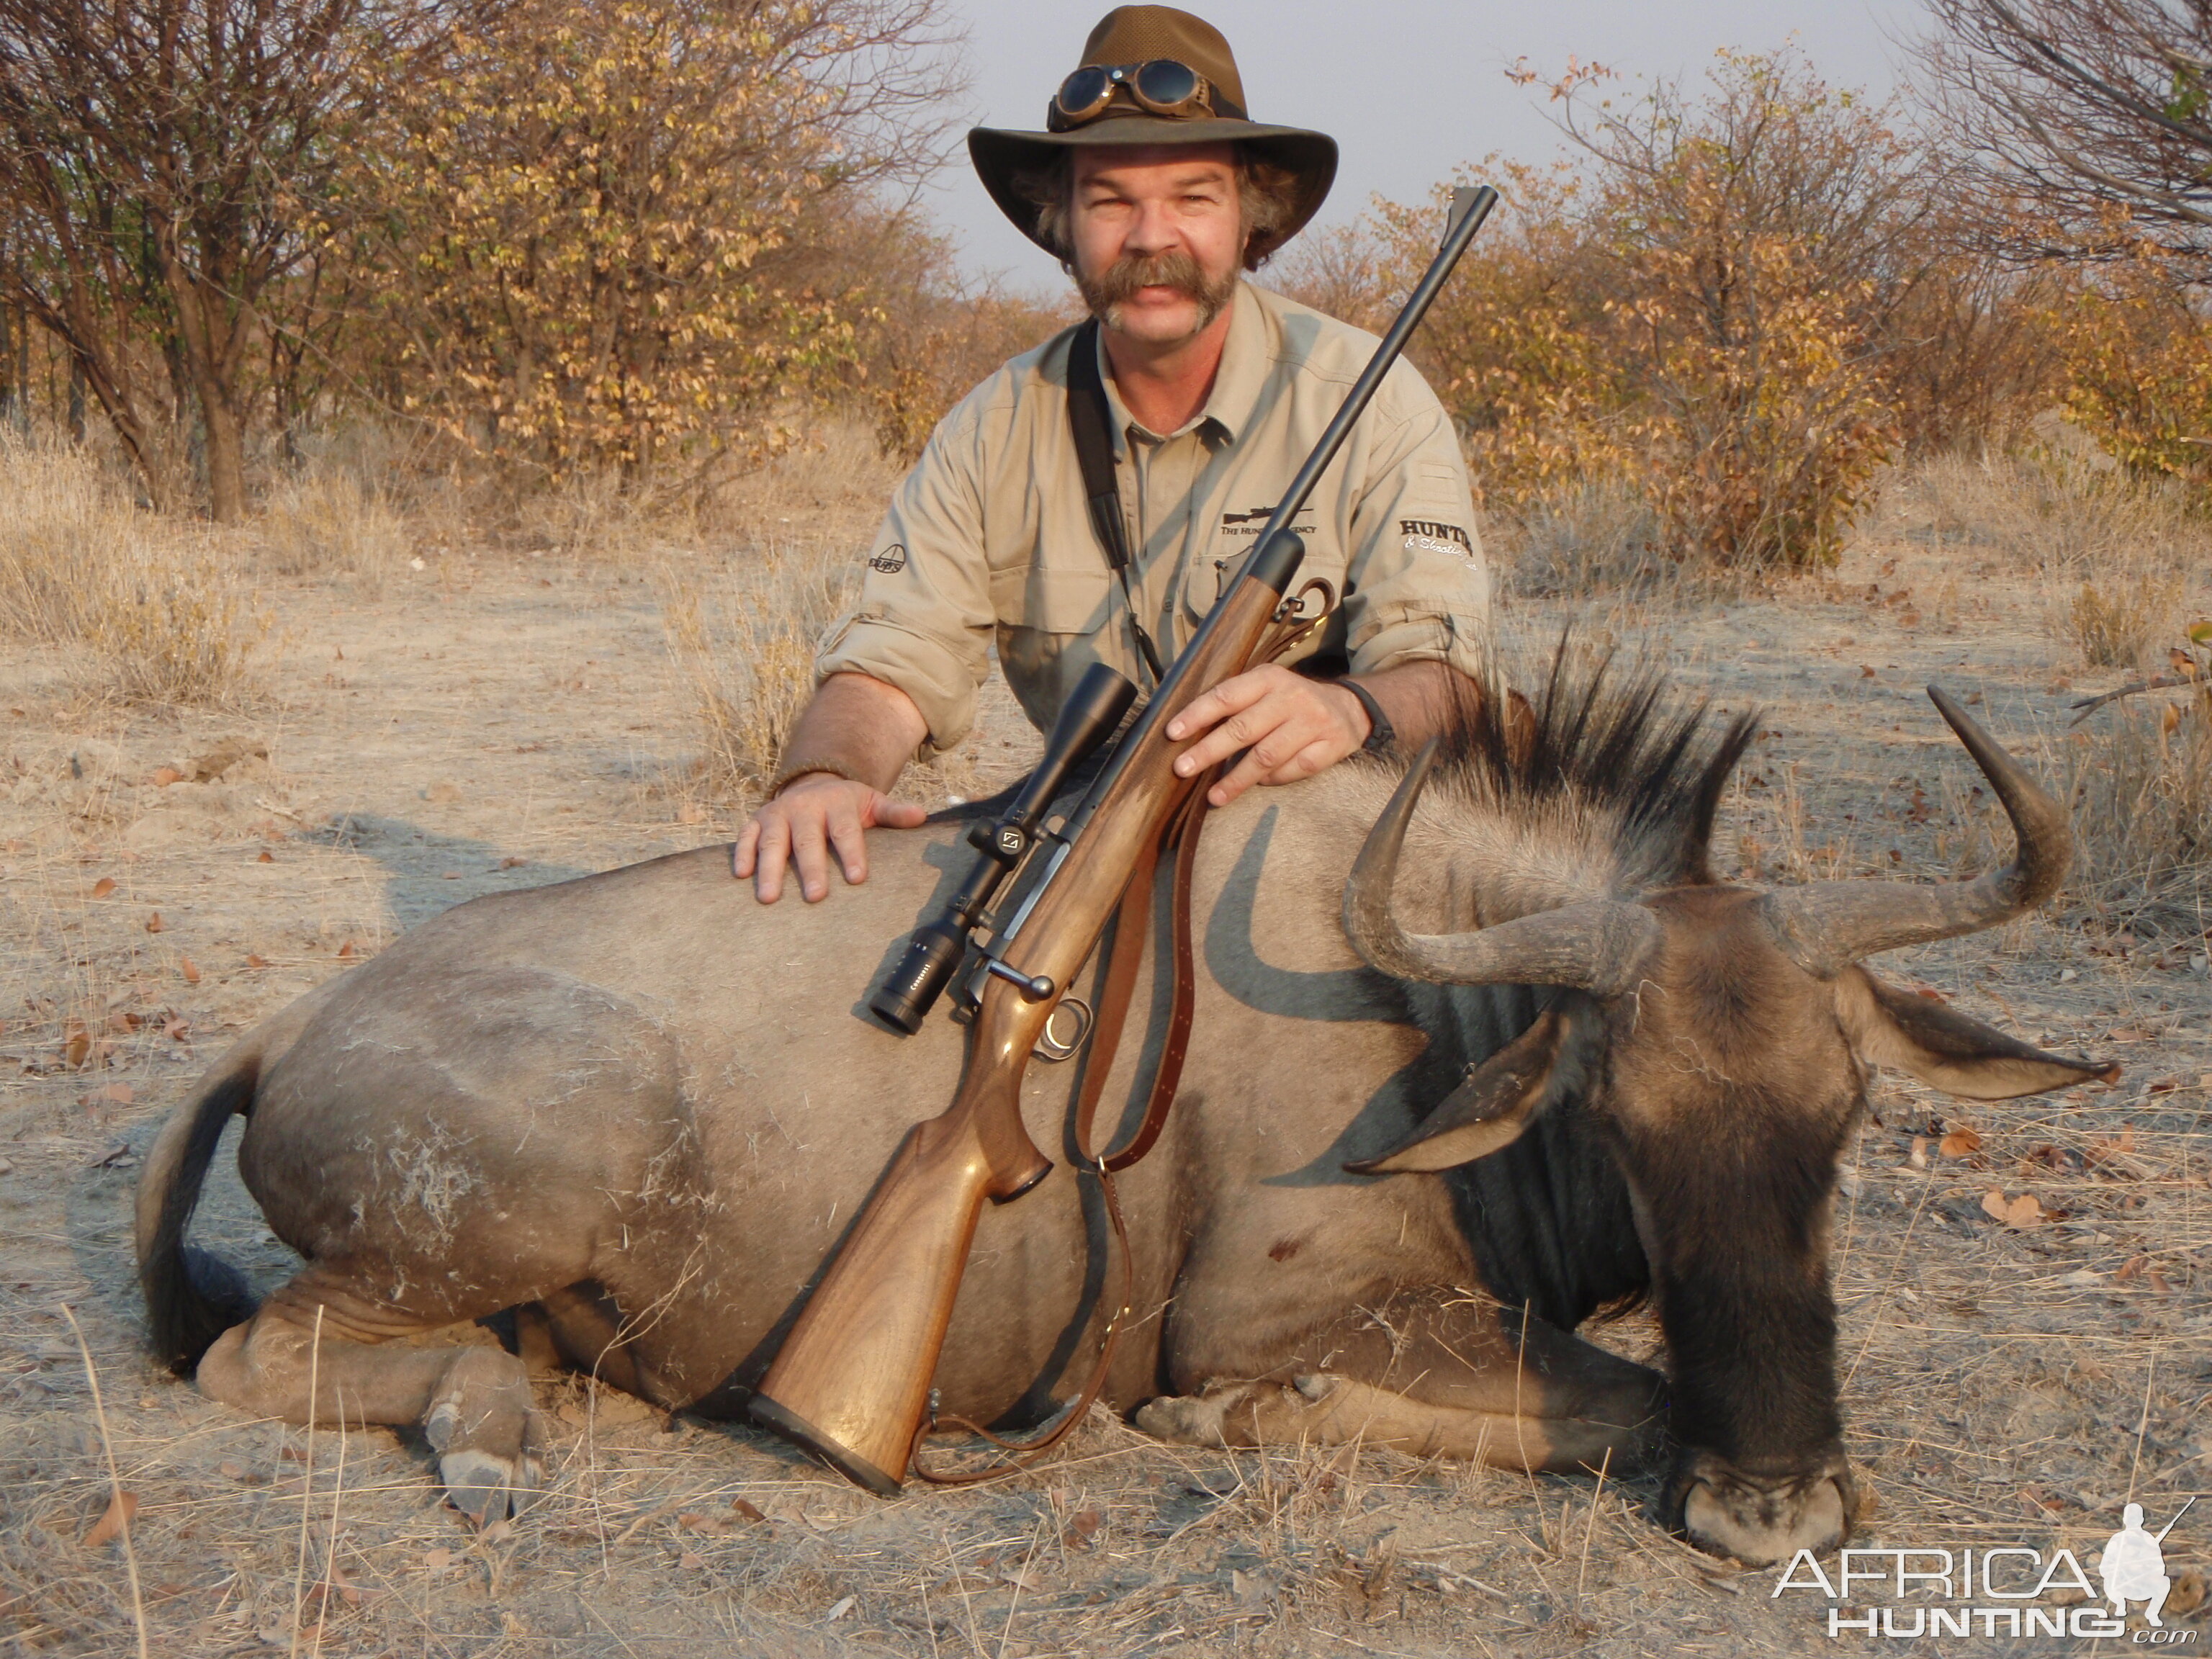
column 852, row 1380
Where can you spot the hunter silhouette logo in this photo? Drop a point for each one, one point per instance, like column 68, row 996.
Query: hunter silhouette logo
column 2134, row 1565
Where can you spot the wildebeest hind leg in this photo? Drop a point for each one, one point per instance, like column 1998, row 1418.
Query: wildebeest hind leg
column 472, row 1403
column 1435, row 1374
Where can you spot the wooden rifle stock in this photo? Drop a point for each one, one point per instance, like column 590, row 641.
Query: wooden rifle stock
column 852, row 1380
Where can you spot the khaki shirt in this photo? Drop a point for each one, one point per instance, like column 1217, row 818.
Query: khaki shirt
column 989, row 539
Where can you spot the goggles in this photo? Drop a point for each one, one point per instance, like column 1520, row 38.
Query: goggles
column 1161, row 86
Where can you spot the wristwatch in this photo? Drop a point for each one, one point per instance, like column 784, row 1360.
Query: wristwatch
column 1381, row 735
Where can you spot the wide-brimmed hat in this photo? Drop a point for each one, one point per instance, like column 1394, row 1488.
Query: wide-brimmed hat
column 1139, row 34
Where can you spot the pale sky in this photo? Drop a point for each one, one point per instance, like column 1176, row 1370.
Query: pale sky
column 1409, row 88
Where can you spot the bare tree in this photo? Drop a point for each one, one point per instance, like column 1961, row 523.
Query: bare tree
column 2090, row 120
column 170, row 160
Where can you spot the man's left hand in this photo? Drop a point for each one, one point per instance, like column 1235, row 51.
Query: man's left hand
column 1292, row 727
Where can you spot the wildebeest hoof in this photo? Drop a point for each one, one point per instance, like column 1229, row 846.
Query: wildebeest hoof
column 1761, row 1520
column 486, row 1488
column 489, row 1436
column 1182, row 1420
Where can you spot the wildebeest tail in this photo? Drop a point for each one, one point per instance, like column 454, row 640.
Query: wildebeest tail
column 192, row 1297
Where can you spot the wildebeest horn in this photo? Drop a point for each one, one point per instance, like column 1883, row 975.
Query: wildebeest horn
column 1824, row 929
column 1597, row 945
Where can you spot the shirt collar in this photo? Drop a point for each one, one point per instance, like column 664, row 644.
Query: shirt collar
column 1236, row 384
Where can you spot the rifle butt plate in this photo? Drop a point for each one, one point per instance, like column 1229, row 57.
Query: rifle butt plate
column 803, row 1434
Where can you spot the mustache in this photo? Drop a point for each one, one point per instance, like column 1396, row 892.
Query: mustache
column 1173, row 269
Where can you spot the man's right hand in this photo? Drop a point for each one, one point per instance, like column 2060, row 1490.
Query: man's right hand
column 815, row 815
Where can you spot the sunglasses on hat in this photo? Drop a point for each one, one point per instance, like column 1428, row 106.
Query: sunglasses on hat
column 1161, row 86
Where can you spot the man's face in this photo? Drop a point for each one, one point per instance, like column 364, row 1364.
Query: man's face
column 1158, row 233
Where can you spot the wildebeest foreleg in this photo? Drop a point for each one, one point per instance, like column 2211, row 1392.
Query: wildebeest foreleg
column 1443, row 1374
column 472, row 1403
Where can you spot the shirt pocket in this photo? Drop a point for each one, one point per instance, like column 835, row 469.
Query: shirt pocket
column 1052, row 599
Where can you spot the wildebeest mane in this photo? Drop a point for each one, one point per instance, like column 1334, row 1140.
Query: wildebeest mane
column 1607, row 759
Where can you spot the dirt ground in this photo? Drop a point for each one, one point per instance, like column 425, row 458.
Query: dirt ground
column 501, row 718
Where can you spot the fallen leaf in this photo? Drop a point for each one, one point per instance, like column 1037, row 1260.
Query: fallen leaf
column 510, row 863
column 438, row 1560
column 177, row 1029
column 264, row 857
column 1865, row 673
column 345, row 951
column 347, row 1589
column 713, row 1525
column 1959, row 1142
column 748, row 1510
column 241, row 1474
column 2157, row 1281
column 2017, row 1212
column 103, row 887
column 120, row 1509
column 115, row 1094
column 2188, row 1592
column 690, row 812
column 2131, row 1269
column 688, row 1561
column 2171, row 719
column 253, row 961
column 1918, row 1158
column 189, row 970
column 76, row 1049
column 1082, row 1528
column 166, row 775
column 839, row 1609
column 449, row 875
column 154, row 922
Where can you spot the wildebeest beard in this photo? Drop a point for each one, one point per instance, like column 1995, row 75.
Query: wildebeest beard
column 1106, row 293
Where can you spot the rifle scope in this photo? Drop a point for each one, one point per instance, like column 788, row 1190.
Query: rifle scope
column 937, row 947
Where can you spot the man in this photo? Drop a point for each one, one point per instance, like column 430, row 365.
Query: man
column 1156, row 193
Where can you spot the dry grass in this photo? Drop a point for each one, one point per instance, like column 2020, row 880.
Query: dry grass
column 742, row 637
column 2139, row 777
column 2121, row 560
column 157, row 605
column 329, row 522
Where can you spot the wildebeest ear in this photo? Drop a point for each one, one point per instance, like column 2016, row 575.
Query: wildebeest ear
column 1498, row 1099
column 1945, row 1048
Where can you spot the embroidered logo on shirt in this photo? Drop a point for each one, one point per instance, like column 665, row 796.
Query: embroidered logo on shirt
column 1437, row 531
column 891, row 561
column 1252, row 521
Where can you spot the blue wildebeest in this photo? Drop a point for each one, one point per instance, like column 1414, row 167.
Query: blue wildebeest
column 1539, row 1063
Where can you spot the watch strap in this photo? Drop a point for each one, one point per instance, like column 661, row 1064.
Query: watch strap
column 1381, row 735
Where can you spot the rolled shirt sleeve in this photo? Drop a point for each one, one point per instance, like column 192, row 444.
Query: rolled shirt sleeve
column 1419, row 585
column 923, row 620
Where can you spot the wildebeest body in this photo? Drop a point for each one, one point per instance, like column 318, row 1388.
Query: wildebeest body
column 640, row 1107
